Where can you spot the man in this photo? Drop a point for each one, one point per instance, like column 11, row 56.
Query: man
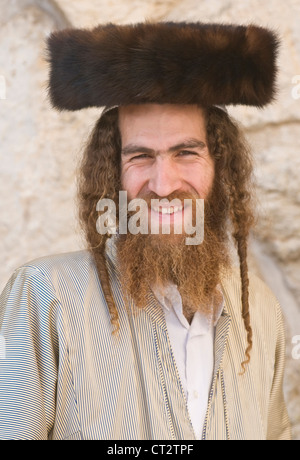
column 144, row 336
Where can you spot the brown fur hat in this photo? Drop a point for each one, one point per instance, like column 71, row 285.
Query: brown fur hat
column 182, row 63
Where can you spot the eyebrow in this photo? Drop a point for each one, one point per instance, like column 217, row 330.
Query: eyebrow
column 187, row 144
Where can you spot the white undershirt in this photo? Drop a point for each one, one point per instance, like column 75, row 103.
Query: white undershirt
column 193, row 348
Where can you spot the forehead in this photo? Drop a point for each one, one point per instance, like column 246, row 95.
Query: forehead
column 160, row 124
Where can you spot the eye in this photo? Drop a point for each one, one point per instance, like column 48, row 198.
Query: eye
column 141, row 156
column 187, row 153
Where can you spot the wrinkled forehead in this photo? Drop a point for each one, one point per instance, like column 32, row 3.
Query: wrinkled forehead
column 159, row 123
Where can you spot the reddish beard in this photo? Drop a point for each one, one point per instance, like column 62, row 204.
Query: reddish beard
column 156, row 260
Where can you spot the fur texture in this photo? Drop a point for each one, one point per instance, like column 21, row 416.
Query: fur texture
column 181, row 63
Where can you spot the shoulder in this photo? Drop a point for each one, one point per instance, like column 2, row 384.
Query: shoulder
column 56, row 267
column 71, row 260
column 231, row 281
column 263, row 302
column 54, row 274
column 266, row 317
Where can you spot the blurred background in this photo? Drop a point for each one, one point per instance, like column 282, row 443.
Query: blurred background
column 40, row 148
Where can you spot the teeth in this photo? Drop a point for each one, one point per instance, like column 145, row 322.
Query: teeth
column 170, row 210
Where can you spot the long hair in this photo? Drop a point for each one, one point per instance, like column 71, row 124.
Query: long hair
column 99, row 177
column 233, row 169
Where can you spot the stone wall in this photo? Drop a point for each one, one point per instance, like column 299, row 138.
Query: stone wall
column 40, row 148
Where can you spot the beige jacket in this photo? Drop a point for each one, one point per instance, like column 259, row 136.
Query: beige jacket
column 65, row 376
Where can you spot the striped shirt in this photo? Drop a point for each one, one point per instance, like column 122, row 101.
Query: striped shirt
column 193, row 348
column 66, row 376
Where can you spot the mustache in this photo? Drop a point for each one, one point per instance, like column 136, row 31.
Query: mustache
column 179, row 195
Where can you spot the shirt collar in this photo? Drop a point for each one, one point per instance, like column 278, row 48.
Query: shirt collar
column 170, row 298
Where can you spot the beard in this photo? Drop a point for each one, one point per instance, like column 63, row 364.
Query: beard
column 156, row 260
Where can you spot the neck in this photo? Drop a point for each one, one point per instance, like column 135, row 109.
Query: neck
column 187, row 313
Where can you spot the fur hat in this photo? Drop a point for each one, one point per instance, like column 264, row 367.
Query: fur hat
column 180, row 63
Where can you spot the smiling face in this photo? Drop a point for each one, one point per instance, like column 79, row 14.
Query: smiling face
column 164, row 154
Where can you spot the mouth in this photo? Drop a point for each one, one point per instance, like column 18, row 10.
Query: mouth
column 167, row 210
column 164, row 207
column 167, row 217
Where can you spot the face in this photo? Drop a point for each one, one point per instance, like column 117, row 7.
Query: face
column 164, row 153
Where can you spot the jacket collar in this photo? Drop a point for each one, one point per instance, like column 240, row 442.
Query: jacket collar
column 156, row 313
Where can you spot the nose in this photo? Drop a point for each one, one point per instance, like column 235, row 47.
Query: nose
column 165, row 177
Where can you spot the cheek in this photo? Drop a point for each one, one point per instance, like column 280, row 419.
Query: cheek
column 131, row 181
column 201, row 179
